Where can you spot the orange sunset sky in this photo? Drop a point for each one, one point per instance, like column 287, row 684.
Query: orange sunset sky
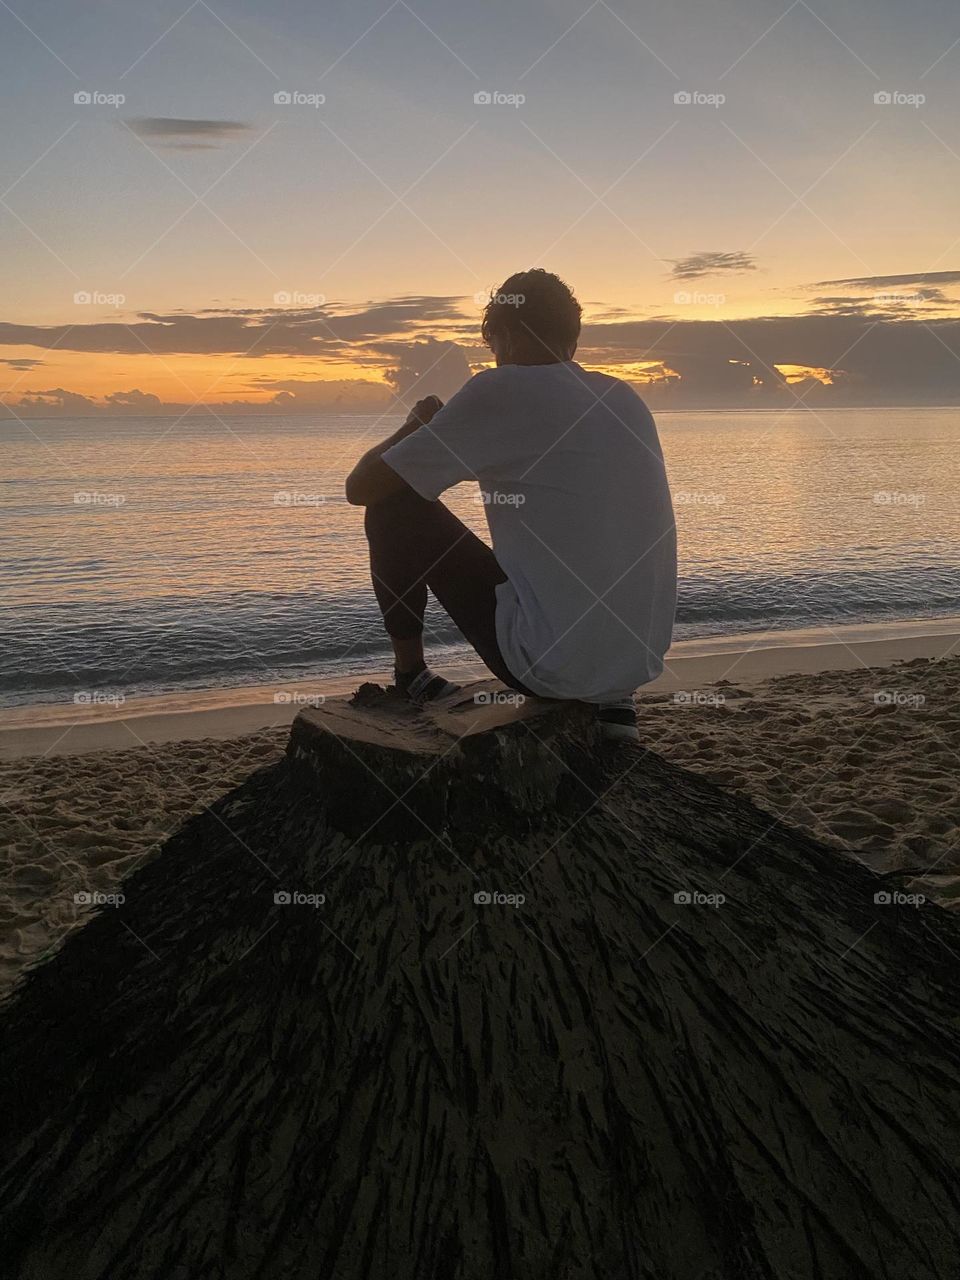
column 290, row 208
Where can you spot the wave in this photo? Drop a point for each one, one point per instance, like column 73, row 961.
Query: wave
column 176, row 642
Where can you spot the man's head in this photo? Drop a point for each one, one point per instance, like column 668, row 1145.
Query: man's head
column 533, row 318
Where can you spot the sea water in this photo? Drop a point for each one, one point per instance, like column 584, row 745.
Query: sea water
column 153, row 555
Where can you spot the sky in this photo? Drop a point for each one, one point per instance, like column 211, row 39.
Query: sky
column 292, row 206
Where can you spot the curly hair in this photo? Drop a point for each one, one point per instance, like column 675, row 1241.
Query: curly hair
column 534, row 308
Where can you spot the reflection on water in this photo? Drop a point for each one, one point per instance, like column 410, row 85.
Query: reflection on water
column 150, row 554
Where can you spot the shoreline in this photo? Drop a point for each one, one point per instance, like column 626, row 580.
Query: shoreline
column 822, row 733
column 54, row 729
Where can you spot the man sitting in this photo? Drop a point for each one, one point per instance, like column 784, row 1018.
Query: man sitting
column 576, row 599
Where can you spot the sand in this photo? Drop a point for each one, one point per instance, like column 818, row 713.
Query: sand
column 854, row 738
column 660, row 1036
column 77, row 825
column 865, row 759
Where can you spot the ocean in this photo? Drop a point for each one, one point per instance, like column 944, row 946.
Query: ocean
column 148, row 556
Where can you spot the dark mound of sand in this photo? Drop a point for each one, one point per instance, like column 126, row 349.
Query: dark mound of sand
column 223, row 1079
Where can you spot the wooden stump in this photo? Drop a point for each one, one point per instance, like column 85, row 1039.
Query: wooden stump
column 620, row 1075
column 389, row 770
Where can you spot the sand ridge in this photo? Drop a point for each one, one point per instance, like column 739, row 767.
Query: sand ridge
column 864, row 758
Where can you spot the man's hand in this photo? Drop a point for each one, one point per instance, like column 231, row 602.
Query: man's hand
column 371, row 480
column 424, row 410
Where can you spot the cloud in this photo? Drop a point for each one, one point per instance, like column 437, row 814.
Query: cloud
column 712, row 263
column 57, row 399
column 402, row 348
column 917, row 303
column 842, row 305
column 346, row 395
column 910, row 295
column 425, row 368
column 934, row 278
column 187, row 134
column 876, row 360
column 22, row 364
column 329, row 330
column 134, row 399
column 610, row 313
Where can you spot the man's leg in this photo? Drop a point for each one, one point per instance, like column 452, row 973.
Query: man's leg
column 416, row 544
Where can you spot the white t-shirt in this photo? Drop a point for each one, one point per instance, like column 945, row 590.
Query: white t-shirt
column 577, row 502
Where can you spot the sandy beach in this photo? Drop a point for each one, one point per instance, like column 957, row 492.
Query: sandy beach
column 850, row 734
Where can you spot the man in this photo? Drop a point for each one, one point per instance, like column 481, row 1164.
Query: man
column 576, row 599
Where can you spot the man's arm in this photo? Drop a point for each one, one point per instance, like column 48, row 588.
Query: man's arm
column 371, row 479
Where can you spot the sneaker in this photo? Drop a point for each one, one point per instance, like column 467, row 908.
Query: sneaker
column 618, row 721
column 424, row 686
